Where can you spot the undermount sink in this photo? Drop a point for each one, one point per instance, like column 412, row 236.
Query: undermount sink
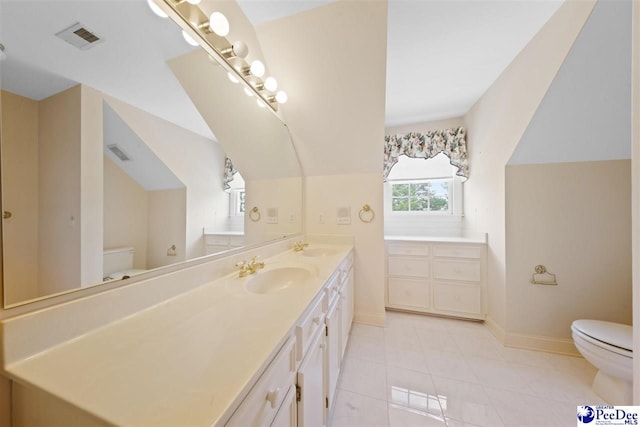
column 319, row 252
column 276, row 279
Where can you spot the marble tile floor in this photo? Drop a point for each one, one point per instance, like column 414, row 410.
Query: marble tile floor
column 430, row 371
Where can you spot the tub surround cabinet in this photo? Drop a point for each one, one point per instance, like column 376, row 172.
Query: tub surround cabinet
column 445, row 277
column 180, row 363
column 222, row 241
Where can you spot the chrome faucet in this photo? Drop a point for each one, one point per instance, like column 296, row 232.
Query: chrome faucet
column 247, row 268
column 299, row 245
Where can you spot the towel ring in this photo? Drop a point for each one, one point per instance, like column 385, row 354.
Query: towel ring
column 254, row 214
column 366, row 214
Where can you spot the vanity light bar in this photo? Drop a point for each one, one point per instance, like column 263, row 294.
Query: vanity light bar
column 195, row 23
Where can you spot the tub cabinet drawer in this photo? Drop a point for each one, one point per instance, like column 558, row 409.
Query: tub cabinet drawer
column 457, row 270
column 457, row 251
column 457, row 297
column 445, row 278
column 409, row 292
column 408, row 266
column 261, row 405
column 407, row 249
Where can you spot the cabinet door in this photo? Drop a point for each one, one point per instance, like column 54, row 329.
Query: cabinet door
column 287, row 414
column 345, row 323
column 311, row 383
column 333, row 351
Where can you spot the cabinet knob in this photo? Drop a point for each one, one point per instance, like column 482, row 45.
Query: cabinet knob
column 272, row 397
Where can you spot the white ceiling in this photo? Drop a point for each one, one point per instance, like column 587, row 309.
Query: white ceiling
column 441, row 55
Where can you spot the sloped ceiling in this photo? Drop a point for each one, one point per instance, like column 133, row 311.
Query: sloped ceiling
column 586, row 112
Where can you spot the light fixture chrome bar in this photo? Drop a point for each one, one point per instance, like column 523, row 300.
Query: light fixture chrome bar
column 190, row 16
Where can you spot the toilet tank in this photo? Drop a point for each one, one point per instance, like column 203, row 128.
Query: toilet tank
column 117, row 259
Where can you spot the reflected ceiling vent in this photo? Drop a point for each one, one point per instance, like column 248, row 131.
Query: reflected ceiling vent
column 118, row 152
column 79, row 36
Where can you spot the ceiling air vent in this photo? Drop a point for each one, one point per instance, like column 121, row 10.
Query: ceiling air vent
column 118, row 152
column 79, row 36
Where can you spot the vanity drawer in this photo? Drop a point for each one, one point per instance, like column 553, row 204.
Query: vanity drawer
column 308, row 325
column 408, row 292
column 457, row 297
column 457, row 251
column 332, row 289
column 407, row 249
column 470, row 271
column 260, row 406
column 408, row 266
column 236, row 241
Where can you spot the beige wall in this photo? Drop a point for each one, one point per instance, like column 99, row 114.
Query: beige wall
column 335, row 114
column 59, row 196
column 574, row 218
column 91, row 187
column 197, row 162
column 166, row 225
column 285, row 195
column 125, row 213
column 496, row 123
column 635, row 173
column 20, row 196
column 324, row 194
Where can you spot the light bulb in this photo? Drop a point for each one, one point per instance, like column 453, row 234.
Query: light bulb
column 271, row 84
column 240, row 49
column 156, row 9
column 233, row 78
column 248, row 92
column 189, row 39
column 260, row 103
column 193, row 1
column 281, row 97
column 219, row 24
column 257, row 68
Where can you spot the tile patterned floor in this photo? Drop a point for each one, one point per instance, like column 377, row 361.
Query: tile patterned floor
column 429, row 371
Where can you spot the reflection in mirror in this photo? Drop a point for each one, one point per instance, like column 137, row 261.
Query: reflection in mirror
column 113, row 154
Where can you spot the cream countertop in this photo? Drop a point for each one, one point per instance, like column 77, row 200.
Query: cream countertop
column 479, row 238
column 187, row 361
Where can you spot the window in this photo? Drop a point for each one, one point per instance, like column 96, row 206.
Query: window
column 420, row 187
column 236, row 205
column 420, row 196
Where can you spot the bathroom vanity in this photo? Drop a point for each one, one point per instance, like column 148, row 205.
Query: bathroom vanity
column 264, row 349
column 437, row 275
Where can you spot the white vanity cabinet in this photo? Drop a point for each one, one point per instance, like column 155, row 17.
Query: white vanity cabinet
column 220, row 242
column 447, row 278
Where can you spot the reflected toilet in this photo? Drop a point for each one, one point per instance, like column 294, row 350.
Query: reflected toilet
column 117, row 264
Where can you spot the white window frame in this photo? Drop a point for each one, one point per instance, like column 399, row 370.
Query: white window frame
column 455, row 197
column 235, row 202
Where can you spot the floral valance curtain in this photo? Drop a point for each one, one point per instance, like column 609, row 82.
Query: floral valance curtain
column 452, row 142
column 229, row 171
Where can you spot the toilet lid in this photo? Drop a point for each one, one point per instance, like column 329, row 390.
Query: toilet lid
column 615, row 334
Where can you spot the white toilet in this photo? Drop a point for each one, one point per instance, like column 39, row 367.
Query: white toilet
column 117, row 264
column 609, row 347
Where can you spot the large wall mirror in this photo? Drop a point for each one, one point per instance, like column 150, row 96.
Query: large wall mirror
column 113, row 151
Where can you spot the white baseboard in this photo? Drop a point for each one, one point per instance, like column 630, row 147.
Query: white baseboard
column 548, row 344
column 495, row 329
column 531, row 342
column 373, row 319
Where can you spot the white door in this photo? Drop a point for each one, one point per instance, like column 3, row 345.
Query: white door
column 286, row 416
column 311, row 383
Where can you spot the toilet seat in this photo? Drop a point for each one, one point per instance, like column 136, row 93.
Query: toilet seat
column 610, row 336
column 120, row 274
